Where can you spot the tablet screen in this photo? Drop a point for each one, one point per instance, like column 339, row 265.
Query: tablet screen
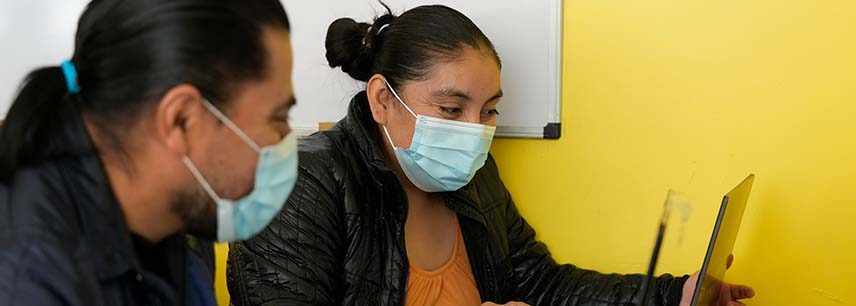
column 722, row 243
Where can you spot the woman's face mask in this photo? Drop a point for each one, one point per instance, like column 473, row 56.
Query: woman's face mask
column 275, row 176
column 444, row 155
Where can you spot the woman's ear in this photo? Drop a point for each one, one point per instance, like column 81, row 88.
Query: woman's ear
column 379, row 98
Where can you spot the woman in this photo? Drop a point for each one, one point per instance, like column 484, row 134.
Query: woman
column 166, row 109
column 400, row 203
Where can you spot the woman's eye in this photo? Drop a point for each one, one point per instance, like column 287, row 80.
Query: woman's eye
column 450, row 110
column 491, row 113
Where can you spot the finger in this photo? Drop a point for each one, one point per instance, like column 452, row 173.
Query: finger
column 729, row 261
column 739, row 292
column 489, row 304
column 736, row 304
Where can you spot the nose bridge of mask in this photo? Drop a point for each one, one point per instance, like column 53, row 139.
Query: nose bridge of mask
column 231, row 125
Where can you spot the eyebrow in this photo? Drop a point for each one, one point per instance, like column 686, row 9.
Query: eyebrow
column 456, row 93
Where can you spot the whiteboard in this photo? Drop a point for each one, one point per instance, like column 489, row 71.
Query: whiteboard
column 34, row 34
column 527, row 35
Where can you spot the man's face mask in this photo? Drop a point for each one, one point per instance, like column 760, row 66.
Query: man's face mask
column 276, row 174
column 444, row 155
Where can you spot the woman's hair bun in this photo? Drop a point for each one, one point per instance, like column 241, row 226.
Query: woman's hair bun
column 353, row 45
column 346, row 48
column 405, row 47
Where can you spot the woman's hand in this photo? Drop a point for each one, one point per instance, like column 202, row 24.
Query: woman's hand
column 729, row 294
column 509, row 304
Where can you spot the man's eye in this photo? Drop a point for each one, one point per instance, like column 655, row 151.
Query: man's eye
column 280, row 124
column 280, row 118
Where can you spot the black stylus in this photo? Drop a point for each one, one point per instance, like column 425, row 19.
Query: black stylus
column 661, row 232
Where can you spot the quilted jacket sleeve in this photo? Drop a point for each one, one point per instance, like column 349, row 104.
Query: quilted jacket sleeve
column 294, row 260
column 539, row 280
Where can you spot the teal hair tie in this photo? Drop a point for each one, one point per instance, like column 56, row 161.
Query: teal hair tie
column 70, row 73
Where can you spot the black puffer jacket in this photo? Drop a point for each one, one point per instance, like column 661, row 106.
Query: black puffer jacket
column 340, row 238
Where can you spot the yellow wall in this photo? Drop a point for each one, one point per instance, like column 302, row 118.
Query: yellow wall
column 221, row 250
column 694, row 95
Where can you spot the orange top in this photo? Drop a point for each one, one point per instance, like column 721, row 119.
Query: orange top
column 452, row 284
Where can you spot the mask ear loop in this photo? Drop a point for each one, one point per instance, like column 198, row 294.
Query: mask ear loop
column 399, row 98
column 386, row 133
column 222, row 117
column 200, row 179
column 395, row 94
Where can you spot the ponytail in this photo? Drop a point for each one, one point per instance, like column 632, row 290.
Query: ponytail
column 36, row 118
column 129, row 55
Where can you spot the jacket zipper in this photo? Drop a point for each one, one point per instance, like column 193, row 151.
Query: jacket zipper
column 489, row 282
column 399, row 232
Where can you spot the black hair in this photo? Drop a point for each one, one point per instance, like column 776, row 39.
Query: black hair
column 403, row 48
column 128, row 54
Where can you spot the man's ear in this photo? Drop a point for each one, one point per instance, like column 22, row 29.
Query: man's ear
column 379, row 98
column 179, row 112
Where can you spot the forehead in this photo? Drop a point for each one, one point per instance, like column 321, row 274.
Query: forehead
column 474, row 71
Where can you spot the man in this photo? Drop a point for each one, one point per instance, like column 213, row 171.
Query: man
column 170, row 118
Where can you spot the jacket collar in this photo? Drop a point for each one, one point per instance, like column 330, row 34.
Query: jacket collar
column 102, row 223
column 364, row 131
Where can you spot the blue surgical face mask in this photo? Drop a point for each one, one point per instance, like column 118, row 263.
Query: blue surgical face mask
column 276, row 174
column 444, row 155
